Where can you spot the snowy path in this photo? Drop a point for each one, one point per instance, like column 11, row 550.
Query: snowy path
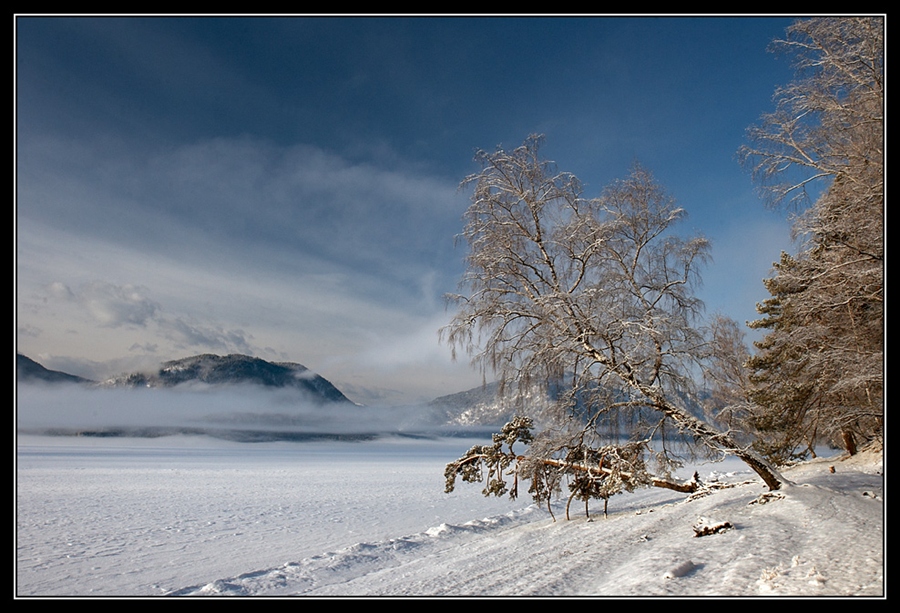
column 770, row 551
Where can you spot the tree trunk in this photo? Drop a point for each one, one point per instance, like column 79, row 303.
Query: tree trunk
column 849, row 442
column 719, row 441
column 769, row 475
column 703, row 432
column 686, row 487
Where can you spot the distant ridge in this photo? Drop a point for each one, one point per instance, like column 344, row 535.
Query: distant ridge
column 233, row 369
column 29, row 370
column 478, row 406
column 484, row 406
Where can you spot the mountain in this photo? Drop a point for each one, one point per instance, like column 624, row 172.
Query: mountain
column 29, row 370
column 233, row 369
column 483, row 405
column 477, row 406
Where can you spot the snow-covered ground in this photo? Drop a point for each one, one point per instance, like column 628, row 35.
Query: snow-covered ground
column 192, row 516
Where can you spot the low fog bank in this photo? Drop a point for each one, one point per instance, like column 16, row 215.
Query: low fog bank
column 248, row 413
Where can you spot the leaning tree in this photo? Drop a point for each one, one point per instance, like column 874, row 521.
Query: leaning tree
column 594, row 298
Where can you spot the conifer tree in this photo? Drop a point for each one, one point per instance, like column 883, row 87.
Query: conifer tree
column 819, row 370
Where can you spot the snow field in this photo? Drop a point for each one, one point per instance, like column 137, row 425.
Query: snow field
column 195, row 517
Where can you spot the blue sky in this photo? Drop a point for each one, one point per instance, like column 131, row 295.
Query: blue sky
column 286, row 187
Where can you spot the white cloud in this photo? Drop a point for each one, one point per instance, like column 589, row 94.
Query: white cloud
column 113, row 306
column 190, row 334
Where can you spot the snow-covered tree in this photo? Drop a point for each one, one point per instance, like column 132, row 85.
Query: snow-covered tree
column 594, row 296
column 726, row 376
column 829, row 121
column 819, row 370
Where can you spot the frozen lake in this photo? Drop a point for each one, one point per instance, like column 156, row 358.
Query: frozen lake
column 127, row 516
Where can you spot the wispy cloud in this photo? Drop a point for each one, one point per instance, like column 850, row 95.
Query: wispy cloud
column 229, row 196
column 288, row 186
column 112, row 306
column 193, row 335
